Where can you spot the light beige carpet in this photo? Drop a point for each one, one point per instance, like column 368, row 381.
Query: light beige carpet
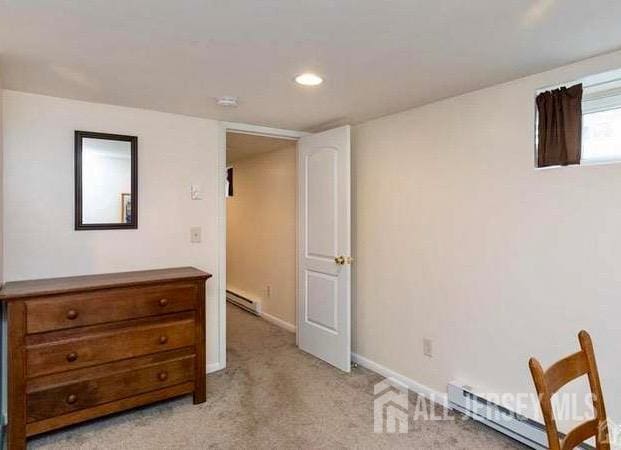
column 270, row 396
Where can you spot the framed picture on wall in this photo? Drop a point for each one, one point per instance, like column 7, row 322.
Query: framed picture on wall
column 126, row 207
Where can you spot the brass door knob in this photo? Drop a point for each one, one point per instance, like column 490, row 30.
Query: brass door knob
column 342, row 260
column 72, row 356
column 72, row 314
column 163, row 302
column 72, row 398
column 163, row 339
column 162, row 376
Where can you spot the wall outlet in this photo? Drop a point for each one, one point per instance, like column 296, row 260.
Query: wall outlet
column 268, row 291
column 195, row 235
column 427, row 347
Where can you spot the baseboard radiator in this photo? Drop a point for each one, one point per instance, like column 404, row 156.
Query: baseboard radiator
column 462, row 398
column 249, row 305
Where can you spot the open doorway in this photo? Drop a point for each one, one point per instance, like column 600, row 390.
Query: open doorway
column 261, row 227
column 321, row 265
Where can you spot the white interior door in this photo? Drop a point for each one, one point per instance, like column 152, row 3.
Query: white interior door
column 324, row 311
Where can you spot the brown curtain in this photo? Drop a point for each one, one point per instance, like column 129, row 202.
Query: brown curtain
column 560, row 126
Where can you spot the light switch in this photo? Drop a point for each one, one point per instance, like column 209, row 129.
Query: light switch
column 195, row 235
column 195, row 192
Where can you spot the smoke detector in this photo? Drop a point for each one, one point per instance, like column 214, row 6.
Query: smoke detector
column 227, row 101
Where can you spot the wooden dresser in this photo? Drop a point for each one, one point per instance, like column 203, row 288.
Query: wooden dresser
column 82, row 347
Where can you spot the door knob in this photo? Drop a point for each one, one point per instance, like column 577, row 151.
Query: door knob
column 342, row 260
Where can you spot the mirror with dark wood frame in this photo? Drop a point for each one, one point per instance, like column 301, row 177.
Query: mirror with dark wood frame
column 106, row 181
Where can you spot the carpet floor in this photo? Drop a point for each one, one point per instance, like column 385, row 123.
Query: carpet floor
column 271, row 395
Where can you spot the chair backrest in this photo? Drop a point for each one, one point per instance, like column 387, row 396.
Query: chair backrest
column 548, row 382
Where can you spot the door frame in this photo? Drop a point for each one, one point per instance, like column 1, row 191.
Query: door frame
column 225, row 127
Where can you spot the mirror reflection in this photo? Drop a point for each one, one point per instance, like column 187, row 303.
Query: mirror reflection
column 106, row 181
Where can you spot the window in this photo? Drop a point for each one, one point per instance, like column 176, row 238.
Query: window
column 229, row 181
column 601, row 123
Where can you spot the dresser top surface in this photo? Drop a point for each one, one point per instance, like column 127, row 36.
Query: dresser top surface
column 14, row 290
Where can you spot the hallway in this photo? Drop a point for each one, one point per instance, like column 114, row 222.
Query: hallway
column 271, row 395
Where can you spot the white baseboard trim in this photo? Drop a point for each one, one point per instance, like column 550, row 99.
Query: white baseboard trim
column 278, row 322
column 214, row 367
column 414, row 386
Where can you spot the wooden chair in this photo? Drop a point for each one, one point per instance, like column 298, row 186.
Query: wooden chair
column 559, row 374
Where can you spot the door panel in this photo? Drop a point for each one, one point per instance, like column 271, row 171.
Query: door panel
column 324, row 235
column 321, row 213
column 322, row 311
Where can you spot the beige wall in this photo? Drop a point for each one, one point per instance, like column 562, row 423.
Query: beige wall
column 1, row 187
column 460, row 239
column 174, row 152
column 261, row 231
column 3, row 374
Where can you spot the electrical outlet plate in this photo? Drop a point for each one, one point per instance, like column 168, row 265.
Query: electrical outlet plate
column 195, row 235
column 427, row 347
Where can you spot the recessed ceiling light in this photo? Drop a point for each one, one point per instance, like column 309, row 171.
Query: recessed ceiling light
column 308, row 79
column 227, row 101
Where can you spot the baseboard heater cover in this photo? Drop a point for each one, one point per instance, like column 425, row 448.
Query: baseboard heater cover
column 249, row 305
column 462, row 398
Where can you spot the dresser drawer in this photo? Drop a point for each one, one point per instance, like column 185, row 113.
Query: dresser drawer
column 59, row 399
column 99, row 346
column 110, row 305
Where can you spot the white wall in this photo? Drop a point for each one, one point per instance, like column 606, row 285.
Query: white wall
column 3, row 335
column 173, row 152
column 458, row 238
column 261, row 231
column 2, row 93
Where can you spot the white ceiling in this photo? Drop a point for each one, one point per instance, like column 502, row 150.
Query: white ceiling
column 377, row 56
column 241, row 146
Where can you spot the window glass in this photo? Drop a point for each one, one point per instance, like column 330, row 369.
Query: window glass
column 601, row 136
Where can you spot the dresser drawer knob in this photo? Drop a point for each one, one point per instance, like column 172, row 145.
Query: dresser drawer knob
column 163, row 339
column 72, row 398
column 162, row 376
column 72, row 314
column 163, row 302
column 72, row 356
